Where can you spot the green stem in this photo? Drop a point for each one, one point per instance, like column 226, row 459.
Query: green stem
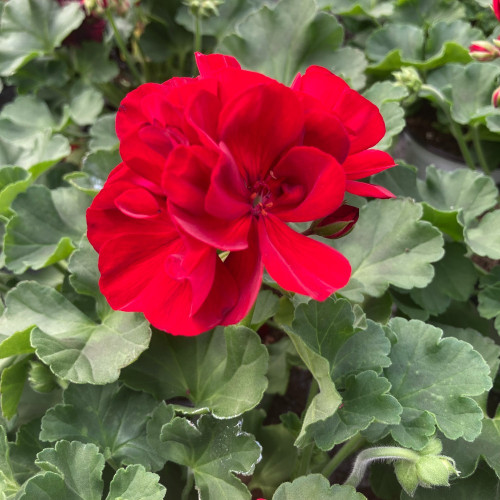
column 62, row 267
column 454, row 127
column 305, row 461
column 351, row 446
column 188, row 486
column 476, row 140
column 379, row 453
column 123, row 49
column 197, row 33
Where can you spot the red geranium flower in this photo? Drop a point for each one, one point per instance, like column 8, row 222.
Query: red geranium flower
column 496, row 8
column 214, row 168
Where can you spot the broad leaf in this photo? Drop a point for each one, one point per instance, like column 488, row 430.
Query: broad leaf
column 71, row 471
column 489, row 296
column 12, row 385
column 433, row 379
column 8, row 483
column 134, row 483
column 214, row 450
column 13, row 180
column 315, row 486
column 74, row 346
column 92, row 62
column 103, row 135
column 86, row 103
column 31, row 28
column 380, row 255
column 484, row 238
column 222, row 371
column 46, row 227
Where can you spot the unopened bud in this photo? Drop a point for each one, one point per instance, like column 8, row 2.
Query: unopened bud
column 496, row 42
column 495, row 98
column 408, row 77
column 337, row 224
column 204, row 8
column 483, row 51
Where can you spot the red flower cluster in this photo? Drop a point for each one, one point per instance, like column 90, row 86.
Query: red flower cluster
column 213, row 169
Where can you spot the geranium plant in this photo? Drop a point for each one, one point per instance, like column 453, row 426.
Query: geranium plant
column 219, row 280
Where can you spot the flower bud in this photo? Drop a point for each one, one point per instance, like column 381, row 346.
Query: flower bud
column 496, row 42
column 495, row 98
column 483, row 51
column 203, row 8
column 337, row 224
column 408, row 77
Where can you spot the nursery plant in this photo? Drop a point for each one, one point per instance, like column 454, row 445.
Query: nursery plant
column 222, row 276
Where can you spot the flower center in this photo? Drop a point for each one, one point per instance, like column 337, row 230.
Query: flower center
column 261, row 198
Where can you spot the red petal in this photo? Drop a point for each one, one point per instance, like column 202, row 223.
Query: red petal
column 368, row 190
column 210, row 65
column 138, row 203
column 301, row 264
column 366, row 163
column 322, row 181
column 258, row 125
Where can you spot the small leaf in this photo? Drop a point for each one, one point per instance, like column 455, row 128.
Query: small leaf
column 74, row 346
column 435, row 377
column 380, row 256
column 72, row 471
column 103, row 135
column 112, row 417
column 12, row 385
column 34, row 27
column 315, row 486
column 222, row 371
column 13, row 180
column 86, row 104
column 134, row 483
column 92, row 62
column 8, row 484
column 214, row 450
column 46, row 226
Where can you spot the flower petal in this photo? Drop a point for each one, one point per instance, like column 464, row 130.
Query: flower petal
column 366, row 163
column 301, row 264
column 258, row 125
column 320, row 177
column 138, row 203
column 367, row 190
column 210, row 65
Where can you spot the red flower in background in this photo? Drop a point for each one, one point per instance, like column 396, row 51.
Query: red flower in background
column 214, row 168
column 496, row 8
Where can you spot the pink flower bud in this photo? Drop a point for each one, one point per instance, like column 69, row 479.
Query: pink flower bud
column 483, row 51
column 495, row 98
column 337, row 224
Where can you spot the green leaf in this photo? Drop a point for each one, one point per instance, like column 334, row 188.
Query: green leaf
column 134, row 483
column 266, row 306
column 358, row 7
column 401, row 180
column 112, row 417
column 298, row 34
column 281, row 354
column 380, row 255
column 8, row 483
column 222, row 371
column 214, row 450
column 17, row 343
column 91, row 61
column 103, row 135
column 31, row 28
column 13, row 180
column 71, row 471
column 315, row 486
column 86, row 104
column 366, row 399
column 469, row 192
column 433, row 379
column 489, row 296
column 75, row 347
column 350, row 64
column 46, row 226
column 12, row 385
column 455, row 278
column 484, row 237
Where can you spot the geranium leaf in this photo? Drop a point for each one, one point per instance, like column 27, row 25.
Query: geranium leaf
column 135, row 483
column 489, row 296
column 111, row 416
column 8, row 483
column 222, row 371
column 92, row 62
column 366, row 399
column 13, row 180
column 34, row 27
column 350, row 64
column 103, row 135
column 86, row 103
column 401, row 180
column 74, row 346
column 45, row 228
column 12, row 385
column 315, row 486
column 214, row 450
column 71, row 471
column 484, row 238
column 435, row 376
column 380, row 256
column 358, row 7
column 288, row 27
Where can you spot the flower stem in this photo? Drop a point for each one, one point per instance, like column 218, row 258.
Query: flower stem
column 188, row 486
column 123, row 49
column 378, row 453
column 476, row 140
column 349, row 447
column 455, row 129
column 197, row 33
